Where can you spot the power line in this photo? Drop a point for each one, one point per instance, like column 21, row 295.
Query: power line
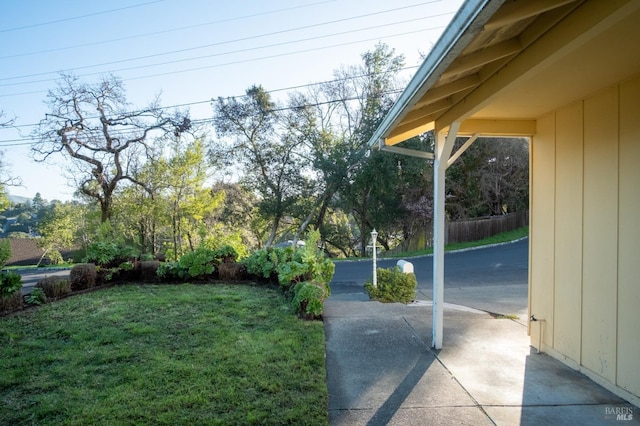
column 282, row 89
column 242, row 61
column 235, row 41
column 30, row 140
column 188, row 27
column 73, row 18
column 16, row 142
column 271, row 56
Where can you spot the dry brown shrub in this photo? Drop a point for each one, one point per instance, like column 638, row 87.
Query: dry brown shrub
column 54, row 287
column 83, row 276
column 148, row 271
column 12, row 302
column 231, row 271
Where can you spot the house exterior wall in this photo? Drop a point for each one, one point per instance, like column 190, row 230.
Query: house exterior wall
column 585, row 236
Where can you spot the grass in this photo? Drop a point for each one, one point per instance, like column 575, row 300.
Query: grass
column 502, row 237
column 167, row 354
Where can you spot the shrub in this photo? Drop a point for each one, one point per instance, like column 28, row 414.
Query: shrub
column 231, row 271
column 55, row 257
column 146, row 257
column 36, row 297
column 170, row 271
column 307, row 263
column 11, row 302
column 149, row 270
column 225, row 254
column 199, row 262
column 263, row 263
column 393, row 285
column 83, row 276
column 308, row 299
column 292, row 272
column 10, row 282
column 304, row 274
column 10, row 290
column 54, row 287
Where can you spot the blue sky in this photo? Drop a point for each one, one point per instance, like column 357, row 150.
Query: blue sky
column 188, row 51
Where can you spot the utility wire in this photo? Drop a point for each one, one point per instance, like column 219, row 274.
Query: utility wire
column 15, row 142
column 242, row 61
column 229, row 42
column 188, row 27
column 73, row 18
column 30, row 140
column 282, row 89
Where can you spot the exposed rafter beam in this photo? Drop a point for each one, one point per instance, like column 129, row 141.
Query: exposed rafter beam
column 407, row 151
column 483, row 57
column 426, row 111
column 522, row 9
column 446, row 90
column 407, row 131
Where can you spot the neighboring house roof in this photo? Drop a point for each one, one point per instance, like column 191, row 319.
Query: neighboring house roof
column 25, row 252
column 499, row 65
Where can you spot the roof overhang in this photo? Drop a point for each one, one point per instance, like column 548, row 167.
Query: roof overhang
column 502, row 64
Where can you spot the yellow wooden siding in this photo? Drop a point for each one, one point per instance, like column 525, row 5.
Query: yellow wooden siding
column 585, row 202
column 600, row 239
column 541, row 262
column 628, row 366
column 568, row 231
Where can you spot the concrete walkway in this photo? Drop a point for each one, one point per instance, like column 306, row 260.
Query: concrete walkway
column 381, row 370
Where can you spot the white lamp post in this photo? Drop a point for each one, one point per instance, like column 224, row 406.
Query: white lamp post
column 374, row 237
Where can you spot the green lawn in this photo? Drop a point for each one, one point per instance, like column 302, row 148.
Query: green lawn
column 163, row 354
column 503, row 237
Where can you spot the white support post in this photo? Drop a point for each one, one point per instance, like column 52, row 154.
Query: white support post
column 374, row 237
column 444, row 145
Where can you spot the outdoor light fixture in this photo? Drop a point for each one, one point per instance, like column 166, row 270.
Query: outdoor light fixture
column 374, row 237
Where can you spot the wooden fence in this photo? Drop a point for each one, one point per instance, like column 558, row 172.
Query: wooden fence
column 471, row 230
column 477, row 229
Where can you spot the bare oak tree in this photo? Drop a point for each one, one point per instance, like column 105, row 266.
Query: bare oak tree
column 95, row 127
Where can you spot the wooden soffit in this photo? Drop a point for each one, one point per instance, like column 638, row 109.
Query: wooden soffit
column 502, row 64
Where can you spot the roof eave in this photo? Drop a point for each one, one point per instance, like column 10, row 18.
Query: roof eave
column 465, row 25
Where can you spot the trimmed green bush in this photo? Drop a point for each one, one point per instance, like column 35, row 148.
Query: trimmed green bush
column 393, row 285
